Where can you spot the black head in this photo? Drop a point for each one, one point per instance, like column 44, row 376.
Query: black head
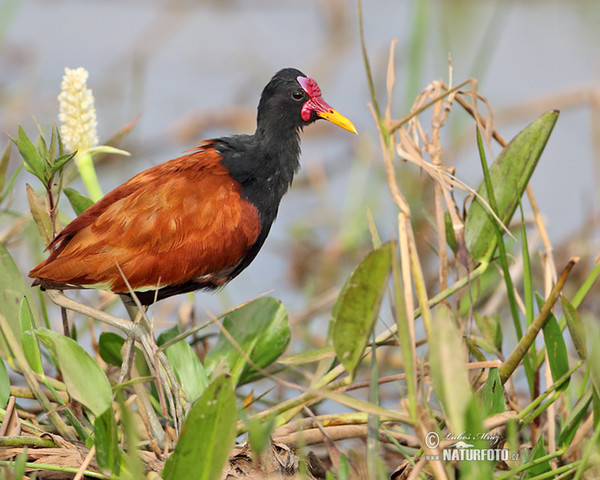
column 292, row 100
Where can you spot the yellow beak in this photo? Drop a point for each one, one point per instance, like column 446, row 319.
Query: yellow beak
column 334, row 117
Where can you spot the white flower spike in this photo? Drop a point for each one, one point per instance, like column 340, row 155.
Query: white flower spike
column 77, row 112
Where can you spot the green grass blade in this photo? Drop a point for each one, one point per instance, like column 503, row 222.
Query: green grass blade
column 556, row 348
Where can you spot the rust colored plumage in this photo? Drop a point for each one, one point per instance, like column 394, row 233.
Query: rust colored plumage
column 197, row 221
column 181, row 220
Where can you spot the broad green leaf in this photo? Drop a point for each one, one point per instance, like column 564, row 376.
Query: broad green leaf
column 40, row 215
column 83, row 377
column 576, row 327
column 538, row 452
column 207, row 436
column 34, row 163
column 4, row 384
column 186, row 365
column 262, row 331
column 78, row 201
column 357, row 306
column 28, row 340
column 493, row 394
column 447, row 357
column 109, row 348
column 575, row 417
column 509, row 176
column 558, row 358
column 106, row 441
column 12, row 290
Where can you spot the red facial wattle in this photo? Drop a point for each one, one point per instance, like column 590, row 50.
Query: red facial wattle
column 316, row 104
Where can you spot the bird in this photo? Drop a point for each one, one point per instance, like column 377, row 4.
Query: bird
column 197, row 221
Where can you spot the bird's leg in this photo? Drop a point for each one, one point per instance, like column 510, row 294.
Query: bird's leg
column 65, row 322
column 139, row 331
column 59, row 298
column 135, row 313
column 166, row 380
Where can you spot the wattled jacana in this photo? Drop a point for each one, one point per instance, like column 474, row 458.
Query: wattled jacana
column 197, row 221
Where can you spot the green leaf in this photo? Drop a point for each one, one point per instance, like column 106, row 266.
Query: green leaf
column 259, row 433
column 491, row 331
column 83, row 377
column 558, row 359
column 34, row 163
column 4, row 159
column 40, row 215
column 576, row 328
column 575, row 417
column 4, row 384
column 357, row 306
column 109, row 348
column 207, row 436
column 108, row 149
column 12, row 290
column 447, row 357
column 28, row 341
column 186, row 365
column 60, row 162
column 509, row 176
column 538, row 452
column 493, row 394
column 260, row 328
column 78, row 201
column 107, row 443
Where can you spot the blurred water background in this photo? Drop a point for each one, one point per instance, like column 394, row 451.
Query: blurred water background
column 194, row 70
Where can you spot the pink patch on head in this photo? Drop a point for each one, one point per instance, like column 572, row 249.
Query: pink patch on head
column 316, row 102
column 309, row 86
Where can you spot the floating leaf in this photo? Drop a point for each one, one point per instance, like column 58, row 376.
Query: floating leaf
column 260, row 328
column 207, row 436
column 357, row 306
column 78, row 201
column 448, row 372
column 83, row 377
column 509, row 176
